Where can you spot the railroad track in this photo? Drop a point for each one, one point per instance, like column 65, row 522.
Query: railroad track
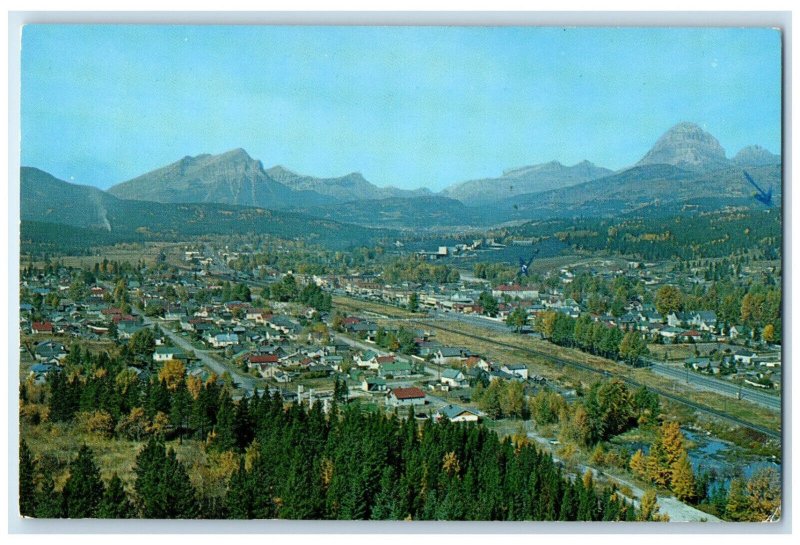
column 667, row 395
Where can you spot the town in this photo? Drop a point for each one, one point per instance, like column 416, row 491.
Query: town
column 464, row 349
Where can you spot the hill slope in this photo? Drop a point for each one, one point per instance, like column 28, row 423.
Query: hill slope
column 46, row 199
column 520, row 181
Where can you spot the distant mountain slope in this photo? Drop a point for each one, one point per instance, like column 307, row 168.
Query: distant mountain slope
column 525, row 180
column 645, row 185
column 350, row 187
column 400, row 213
column 229, row 178
column 751, row 156
column 47, row 199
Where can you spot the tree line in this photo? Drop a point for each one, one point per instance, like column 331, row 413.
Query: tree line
column 285, row 461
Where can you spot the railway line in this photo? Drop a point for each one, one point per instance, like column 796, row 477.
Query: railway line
column 632, row 382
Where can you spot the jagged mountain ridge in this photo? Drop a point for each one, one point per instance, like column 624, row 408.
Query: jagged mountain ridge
column 524, row 180
column 350, row 187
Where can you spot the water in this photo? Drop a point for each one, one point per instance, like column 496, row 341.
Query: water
column 725, row 459
column 722, row 458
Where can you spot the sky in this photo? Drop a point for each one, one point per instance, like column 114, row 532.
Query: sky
column 405, row 106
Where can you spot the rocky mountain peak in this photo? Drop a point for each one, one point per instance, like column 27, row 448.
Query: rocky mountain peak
column 756, row 156
column 688, row 146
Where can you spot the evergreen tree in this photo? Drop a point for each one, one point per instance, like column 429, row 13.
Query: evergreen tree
column 49, row 504
column 115, row 503
column 27, row 481
column 84, row 489
column 180, row 408
column 225, row 436
column 738, row 506
column 239, row 498
column 242, row 425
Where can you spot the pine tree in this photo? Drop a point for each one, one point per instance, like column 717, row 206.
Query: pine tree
column 49, row 503
column 27, row 481
column 738, row 506
column 178, row 491
column 115, row 503
column 149, row 473
column 83, row 489
column 225, row 438
column 180, row 408
column 239, row 499
column 243, row 424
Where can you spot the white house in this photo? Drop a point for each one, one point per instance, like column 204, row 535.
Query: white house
column 453, row 378
column 518, row 369
column 164, row 353
column 406, row 396
column 454, row 413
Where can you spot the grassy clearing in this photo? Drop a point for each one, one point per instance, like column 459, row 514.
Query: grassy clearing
column 57, row 444
column 121, row 253
column 357, row 305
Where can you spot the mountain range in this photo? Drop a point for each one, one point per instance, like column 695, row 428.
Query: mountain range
column 685, row 164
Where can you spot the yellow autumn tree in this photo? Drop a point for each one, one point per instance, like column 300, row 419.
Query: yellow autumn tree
column 588, row 479
column 673, row 442
column 159, row 424
column 326, row 468
column 683, row 478
column 768, row 335
column 252, row 454
column 545, row 323
column 648, row 508
column 194, row 385
column 764, row 491
column 172, row 372
column 450, row 464
column 638, row 464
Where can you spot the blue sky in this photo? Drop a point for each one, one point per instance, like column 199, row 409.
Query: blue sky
column 405, row 106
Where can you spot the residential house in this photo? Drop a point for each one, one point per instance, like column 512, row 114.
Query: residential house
column 49, row 351
column 454, row 413
column 447, row 355
column 396, row 369
column 164, row 353
column 406, row 396
column 42, row 328
column 368, row 359
column 517, row 369
column 744, row 356
column 678, row 319
column 453, row 378
column 221, row 340
column 373, row 384
column 705, row 320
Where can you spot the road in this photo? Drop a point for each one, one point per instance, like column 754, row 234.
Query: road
column 438, row 402
column 245, row 382
column 722, row 387
column 669, row 505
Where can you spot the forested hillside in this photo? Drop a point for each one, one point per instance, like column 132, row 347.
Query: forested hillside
column 285, row 462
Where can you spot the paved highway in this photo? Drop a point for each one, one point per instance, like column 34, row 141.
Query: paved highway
column 723, row 387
